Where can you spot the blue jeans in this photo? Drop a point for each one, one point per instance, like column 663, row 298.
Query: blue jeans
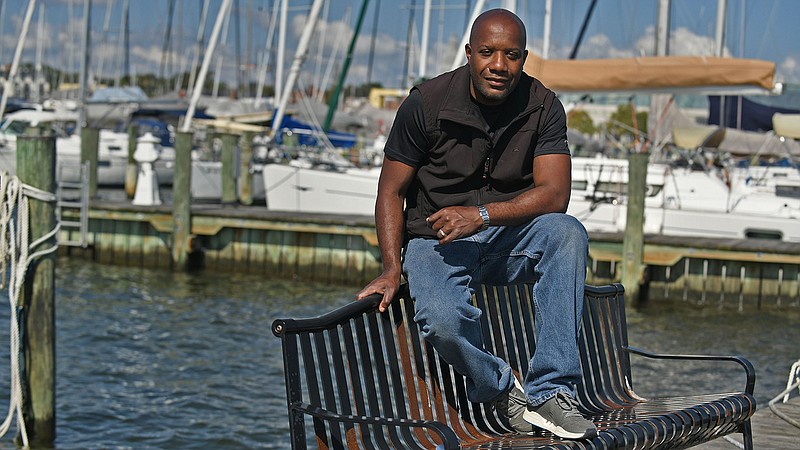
column 549, row 251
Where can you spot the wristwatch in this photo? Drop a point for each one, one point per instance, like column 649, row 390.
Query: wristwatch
column 484, row 217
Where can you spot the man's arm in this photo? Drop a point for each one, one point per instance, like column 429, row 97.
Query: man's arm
column 390, row 225
column 552, row 175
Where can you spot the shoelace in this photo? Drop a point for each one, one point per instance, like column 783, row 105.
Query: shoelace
column 567, row 404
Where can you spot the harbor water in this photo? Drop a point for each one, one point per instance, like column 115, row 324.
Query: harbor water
column 158, row 360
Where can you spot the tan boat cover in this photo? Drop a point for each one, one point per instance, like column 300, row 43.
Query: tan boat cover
column 787, row 125
column 650, row 73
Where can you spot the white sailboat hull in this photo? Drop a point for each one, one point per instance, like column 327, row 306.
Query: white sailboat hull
column 313, row 190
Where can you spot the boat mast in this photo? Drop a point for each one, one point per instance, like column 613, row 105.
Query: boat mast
column 84, row 70
column 281, row 49
column 9, row 86
column 299, row 58
column 201, row 78
column 548, row 18
column 345, row 67
column 38, row 82
column 426, row 24
column 201, row 31
column 262, row 72
column 459, row 58
column 126, row 69
column 720, row 37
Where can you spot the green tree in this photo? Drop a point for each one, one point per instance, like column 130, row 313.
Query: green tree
column 579, row 120
column 621, row 126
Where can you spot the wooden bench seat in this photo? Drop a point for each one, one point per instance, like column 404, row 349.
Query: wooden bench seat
column 356, row 378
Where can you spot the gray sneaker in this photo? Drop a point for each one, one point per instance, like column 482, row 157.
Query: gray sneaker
column 510, row 408
column 560, row 416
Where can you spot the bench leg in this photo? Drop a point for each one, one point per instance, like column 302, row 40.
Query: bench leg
column 747, row 435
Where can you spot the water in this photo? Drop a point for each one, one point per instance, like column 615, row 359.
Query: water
column 151, row 359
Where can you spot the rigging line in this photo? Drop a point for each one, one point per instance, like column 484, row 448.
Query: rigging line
column 582, row 32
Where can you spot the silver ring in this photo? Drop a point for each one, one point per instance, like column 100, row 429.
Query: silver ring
column 442, row 233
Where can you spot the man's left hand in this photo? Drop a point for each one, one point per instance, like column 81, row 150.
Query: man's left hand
column 454, row 222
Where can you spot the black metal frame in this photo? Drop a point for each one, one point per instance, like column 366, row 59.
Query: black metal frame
column 359, row 375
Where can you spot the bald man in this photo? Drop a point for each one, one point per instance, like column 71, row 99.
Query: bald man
column 474, row 189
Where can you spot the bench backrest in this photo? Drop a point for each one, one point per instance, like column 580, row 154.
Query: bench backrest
column 356, row 362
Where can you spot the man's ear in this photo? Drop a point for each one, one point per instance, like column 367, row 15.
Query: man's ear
column 467, row 50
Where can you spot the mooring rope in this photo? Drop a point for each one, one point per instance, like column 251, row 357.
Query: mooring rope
column 16, row 255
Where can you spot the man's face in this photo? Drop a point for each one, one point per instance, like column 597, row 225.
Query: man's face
column 496, row 57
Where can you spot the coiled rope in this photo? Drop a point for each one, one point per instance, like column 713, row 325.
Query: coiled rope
column 16, row 255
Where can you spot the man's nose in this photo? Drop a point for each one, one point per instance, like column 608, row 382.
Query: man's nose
column 498, row 62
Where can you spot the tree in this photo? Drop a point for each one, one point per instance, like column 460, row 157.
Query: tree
column 620, row 124
column 579, row 120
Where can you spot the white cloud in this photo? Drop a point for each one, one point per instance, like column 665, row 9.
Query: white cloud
column 788, row 71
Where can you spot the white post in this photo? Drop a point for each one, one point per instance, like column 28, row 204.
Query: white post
column 476, row 11
column 201, row 78
column 299, row 57
column 426, row 25
column 12, row 72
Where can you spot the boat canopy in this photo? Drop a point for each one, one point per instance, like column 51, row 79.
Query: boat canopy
column 737, row 142
column 786, row 125
column 654, row 74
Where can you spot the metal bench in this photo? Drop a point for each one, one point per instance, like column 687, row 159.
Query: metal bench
column 356, row 378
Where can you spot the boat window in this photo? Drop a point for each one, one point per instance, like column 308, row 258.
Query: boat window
column 579, row 185
column 790, row 191
column 15, row 127
column 763, row 234
column 607, row 187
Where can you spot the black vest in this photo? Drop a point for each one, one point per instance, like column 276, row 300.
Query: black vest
column 467, row 164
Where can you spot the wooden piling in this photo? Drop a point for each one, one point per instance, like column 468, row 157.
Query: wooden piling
column 131, row 170
column 229, row 144
column 633, row 241
column 181, row 201
column 36, row 166
column 245, row 175
column 90, row 138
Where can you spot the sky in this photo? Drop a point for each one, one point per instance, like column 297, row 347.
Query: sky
column 760, row 29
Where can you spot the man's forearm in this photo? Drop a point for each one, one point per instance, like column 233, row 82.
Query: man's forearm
column 390, row 225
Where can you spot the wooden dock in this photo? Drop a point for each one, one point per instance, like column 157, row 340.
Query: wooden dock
column 770, row 432
column 342, row 249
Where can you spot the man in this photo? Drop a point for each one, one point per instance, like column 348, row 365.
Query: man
column 473, row 189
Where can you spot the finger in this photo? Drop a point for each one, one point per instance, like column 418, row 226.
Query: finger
column 387, row 300
column 369, row 290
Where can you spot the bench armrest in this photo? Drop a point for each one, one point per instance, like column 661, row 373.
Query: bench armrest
column 448, row 436
column 750, row 371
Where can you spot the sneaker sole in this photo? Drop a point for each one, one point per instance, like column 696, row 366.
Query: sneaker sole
column 538, row 420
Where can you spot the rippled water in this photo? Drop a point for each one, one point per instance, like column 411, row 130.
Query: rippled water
column 152, row 359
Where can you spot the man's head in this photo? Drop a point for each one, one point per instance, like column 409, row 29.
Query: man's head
column 495, row 54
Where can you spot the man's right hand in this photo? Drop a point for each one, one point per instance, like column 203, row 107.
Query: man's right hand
column 386, row 284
